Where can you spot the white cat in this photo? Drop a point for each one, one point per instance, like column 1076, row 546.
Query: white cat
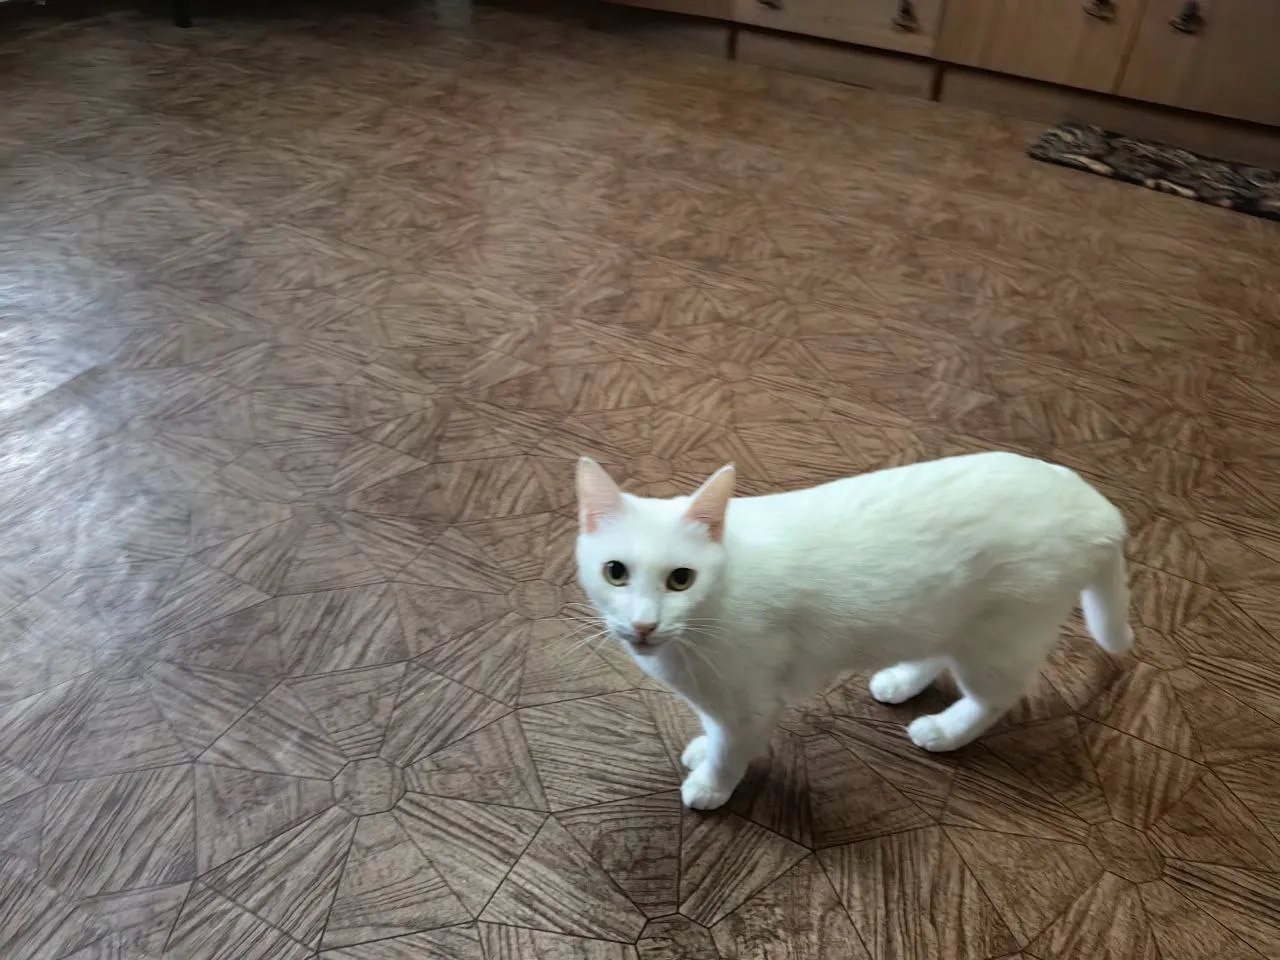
column 968, row 564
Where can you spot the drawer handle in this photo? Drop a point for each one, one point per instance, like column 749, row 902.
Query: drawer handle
column 905, row 19
column 1189, row 19
column 1102, row 9
column 771, row 4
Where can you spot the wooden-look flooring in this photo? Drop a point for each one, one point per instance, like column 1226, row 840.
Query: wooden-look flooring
column 303, row 323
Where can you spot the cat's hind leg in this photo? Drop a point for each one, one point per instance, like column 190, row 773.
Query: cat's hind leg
column 898, row 684
column 992, row 677
column 958, row 725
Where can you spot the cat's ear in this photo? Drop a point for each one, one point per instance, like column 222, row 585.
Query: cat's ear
column 598, row 496
column 711, row 502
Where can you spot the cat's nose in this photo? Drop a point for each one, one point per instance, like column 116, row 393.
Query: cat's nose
column 643, row 630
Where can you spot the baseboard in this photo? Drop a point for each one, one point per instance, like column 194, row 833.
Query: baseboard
column 859, row 66
column 924, row 77
column 682, row 31
column 21, row 17
column 1031, row 100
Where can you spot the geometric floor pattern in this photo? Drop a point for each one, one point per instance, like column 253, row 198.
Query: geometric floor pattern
column 305, row 321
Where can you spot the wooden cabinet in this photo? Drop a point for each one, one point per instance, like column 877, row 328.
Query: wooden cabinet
column 1053, row 40
column 716, row 9
column 1226, row 61
column 909, row 27
column 1228, row 64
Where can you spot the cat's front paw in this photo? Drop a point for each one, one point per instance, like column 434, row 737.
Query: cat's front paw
column 701, row 791
column 694, row 753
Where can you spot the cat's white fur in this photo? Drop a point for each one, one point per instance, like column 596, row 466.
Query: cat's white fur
column 968, row 564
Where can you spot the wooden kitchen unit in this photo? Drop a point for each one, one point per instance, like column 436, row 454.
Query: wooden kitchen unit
column 1227, row 63
column 1069, row 42
column 1177, row 66
column 882, row 24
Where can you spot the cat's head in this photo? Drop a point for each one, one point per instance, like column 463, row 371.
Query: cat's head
column 648, row 566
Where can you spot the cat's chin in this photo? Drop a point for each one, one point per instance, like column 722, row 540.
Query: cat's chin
column 644, row 648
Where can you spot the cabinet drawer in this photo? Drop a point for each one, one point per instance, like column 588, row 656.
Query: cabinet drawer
column 873, row 23
column 1223, row 62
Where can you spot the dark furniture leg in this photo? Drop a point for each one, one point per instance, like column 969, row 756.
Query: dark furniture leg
column 182, row 13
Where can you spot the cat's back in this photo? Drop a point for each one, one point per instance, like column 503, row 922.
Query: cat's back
column 911, row 554
column 985, row 501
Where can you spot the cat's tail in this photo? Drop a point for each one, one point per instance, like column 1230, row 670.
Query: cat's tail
column 1105, row 602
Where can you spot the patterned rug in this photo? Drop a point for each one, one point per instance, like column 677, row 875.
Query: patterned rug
column 1156, row 166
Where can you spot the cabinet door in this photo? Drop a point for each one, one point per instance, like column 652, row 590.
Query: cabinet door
column 910, row 26
column 1228, row 65
column 1053, row 40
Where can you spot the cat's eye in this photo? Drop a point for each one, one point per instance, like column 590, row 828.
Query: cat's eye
column 615, row 573
column 681, row 578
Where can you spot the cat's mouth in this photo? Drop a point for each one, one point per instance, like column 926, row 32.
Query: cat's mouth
column 641, row 645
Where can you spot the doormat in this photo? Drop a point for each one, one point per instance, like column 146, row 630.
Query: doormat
column 1157, row 166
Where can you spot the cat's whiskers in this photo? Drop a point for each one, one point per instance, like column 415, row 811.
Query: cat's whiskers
column 602, row 636
column 583, row 627
column 588, row 629
column 586, row 625
column 702, row 657
column 684, row 651
column 709, row 634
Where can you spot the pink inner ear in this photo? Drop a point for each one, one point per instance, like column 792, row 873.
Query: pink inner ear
column 598, row 496
column 711, row 502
